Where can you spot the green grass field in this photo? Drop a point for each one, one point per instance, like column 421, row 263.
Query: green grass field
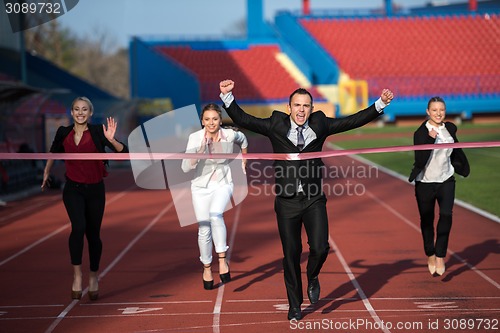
column 481, row 188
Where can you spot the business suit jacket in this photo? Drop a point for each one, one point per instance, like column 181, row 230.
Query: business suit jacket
column 276, row 127
column 97, row 134
column 206, row 169
column 421, row 137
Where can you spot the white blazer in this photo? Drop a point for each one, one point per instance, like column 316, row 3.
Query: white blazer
column 217, row 170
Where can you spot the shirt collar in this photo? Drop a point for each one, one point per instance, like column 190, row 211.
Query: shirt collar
column 220, row 135
column 430, row 127
column 294, row 125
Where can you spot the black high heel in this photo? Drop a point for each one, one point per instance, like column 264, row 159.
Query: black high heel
column 76, row 294
column 93, row 294
column 208, row 285
column 226, row 277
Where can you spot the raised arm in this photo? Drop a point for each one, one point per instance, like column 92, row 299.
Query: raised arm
column 363, row 117
column 238, row 115
column 226, row 86
column 109, row 133
column 386, row 96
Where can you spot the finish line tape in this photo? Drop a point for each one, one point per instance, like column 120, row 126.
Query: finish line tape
column 249, row 156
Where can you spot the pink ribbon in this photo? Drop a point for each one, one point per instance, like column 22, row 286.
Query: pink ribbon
column 249, row 156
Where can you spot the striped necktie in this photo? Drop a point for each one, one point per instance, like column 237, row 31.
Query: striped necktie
column 300, row 138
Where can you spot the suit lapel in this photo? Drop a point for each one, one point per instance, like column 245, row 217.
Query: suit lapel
column 316, row 125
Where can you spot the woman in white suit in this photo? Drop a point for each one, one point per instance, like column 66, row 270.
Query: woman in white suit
column 212, row 187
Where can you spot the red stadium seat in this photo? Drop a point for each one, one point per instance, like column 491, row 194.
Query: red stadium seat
column 441, row 48
column 259, row 75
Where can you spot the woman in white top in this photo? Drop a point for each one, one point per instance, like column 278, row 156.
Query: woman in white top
column 212, row 187
column 434, row 181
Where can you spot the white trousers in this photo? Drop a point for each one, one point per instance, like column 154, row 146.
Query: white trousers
column 209, row 205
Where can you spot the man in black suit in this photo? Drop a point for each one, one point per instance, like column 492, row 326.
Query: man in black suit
column 299, row 195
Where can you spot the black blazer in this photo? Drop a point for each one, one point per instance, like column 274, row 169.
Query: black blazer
column 421, row 137
column 97, row 134
column 276, row 128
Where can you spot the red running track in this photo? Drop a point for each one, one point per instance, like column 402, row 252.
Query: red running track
column 151, row 277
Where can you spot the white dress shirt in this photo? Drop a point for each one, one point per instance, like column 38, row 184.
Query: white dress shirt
column 212, row 170
column 438, row 167
column 229, row 98
column 307, row 132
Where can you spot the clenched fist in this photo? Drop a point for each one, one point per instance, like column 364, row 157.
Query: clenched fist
column 386, row 96
column 226, row 86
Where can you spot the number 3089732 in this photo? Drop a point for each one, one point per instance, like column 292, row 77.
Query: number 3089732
column 33, row 8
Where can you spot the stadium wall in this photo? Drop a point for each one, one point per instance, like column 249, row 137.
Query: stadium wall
column 324, row 68
column 295, row 56
column 463, row 106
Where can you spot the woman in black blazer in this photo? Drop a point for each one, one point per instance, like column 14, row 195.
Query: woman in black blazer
column 83, row 194
column 434, row 181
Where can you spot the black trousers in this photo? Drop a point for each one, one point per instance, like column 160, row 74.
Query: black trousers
column 85, row 206
column 291, row 213
column 427, row 195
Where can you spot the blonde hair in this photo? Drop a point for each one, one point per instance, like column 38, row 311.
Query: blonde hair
column 85, row 99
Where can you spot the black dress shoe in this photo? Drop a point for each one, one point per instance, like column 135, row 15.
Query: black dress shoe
column 313, row 290
column 225, row 277
column 76, row 294
column 208, row 285
column 294, row 313
column 93, row 295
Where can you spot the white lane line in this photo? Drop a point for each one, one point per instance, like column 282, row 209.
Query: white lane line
column 357, row 286
column 136, row 239
column 403, row 178
column 30, row 208
column 29, row 247
column 345, row 312
column 414, row 227
column 144, row 303
column 63, row 314
column 220, row 292
column 374, row 298
column 30, row 306
column 458, row 298
column 478, row 211
column 52, row 234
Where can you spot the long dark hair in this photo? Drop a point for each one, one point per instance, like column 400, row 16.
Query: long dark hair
column 215, row 107
column 211, row 107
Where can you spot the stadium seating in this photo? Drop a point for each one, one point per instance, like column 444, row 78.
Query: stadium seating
column 45, row 106
column 27, row 118
column 415, row 56
column 21, row 126
column 259, row 76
